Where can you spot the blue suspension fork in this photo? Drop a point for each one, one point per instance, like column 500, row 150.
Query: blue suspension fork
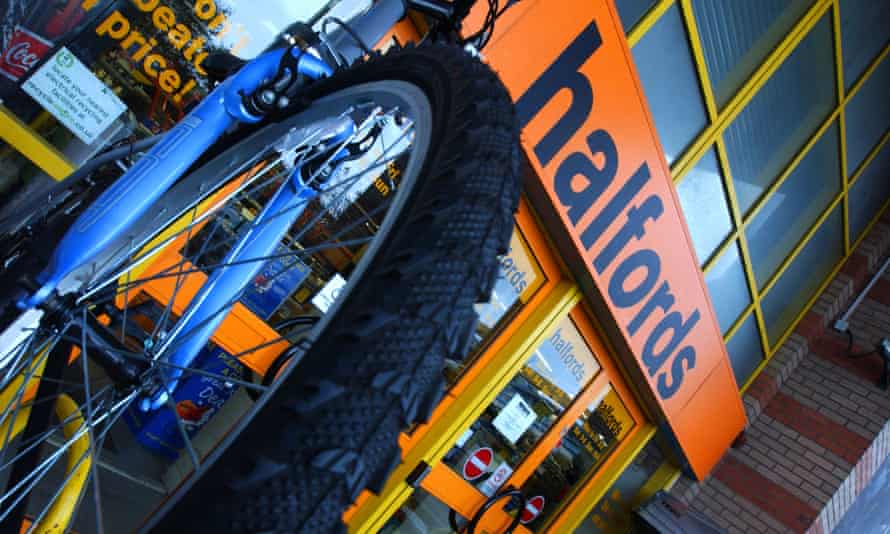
column 211, row 304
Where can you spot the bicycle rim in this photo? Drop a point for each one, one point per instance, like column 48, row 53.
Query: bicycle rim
column 135, row 463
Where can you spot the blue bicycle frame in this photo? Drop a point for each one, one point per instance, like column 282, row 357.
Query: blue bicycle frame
column 122, row 204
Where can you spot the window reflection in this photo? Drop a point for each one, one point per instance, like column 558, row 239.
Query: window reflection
column 667, row 73
column 527, row 407
column 783, row 114
column 614, row 511
column 591, row 439
column 704, row 206
column 519, row 278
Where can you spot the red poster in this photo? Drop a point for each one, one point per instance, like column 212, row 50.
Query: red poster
column 25, row 50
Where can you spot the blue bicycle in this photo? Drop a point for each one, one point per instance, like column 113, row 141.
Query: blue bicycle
column 379, row 187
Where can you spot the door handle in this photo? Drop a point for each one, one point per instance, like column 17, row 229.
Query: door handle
column 474, row 522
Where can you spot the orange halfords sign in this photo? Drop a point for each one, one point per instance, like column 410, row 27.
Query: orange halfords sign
column 589, row 136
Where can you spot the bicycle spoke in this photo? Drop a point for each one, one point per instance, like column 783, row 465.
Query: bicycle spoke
column 159, row 326
column 298, row 253
column 181, row 336
column 201, row 372
column 35, row 441
column 14, row 367
column 193, row 455
column 126, row 302
column 40, row 471
column 97, row 495
column 92, row 288
column 338, row 232
column 97, row 286
column 83, row 457
column 16, row 399
column 343, row 185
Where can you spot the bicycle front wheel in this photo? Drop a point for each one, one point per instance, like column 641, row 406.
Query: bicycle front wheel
column 382, row 269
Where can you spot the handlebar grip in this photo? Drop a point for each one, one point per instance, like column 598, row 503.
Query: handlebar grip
column 369, row 27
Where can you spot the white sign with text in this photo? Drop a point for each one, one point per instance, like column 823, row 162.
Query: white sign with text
column 514, row 419
column 67, row 89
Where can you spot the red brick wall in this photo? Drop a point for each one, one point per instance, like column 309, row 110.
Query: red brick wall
column 813, row 414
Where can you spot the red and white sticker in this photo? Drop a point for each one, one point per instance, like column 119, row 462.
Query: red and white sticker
column 500, row 475
column 478, row 463
column 25, row 50
column 532, row 509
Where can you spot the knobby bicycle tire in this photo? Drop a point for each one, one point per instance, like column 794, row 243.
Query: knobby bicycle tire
column 330, row 429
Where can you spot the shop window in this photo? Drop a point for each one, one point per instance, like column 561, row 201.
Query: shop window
column 782, row 116
column 737, row 36
column 531, row 403
column 664, row 63
column 868, row 116
column 791, row 210
column 728, row 287
column 704, row 206
column 864, row 26
column 580, row 452
column 519, row 279
column 745, row 350
column 614, row 511
column 869, row 193
column 787, row 298
column 135, row 67
column 631, row 11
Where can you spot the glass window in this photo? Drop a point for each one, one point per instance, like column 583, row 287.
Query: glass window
column 591, row 439
column 864, row 34
column 800, row 280
column 704, row 206
column 870, row 192
column 792, row 208
column 519, row 278
column 782, row 115
column 868, row 116
column 631, row 11
column 528, row 406
column 666, row 70
column 422, row 513
column 737, row 36
column 745, row 350
column 728, row 287
column 142, row 62
column 614, row 511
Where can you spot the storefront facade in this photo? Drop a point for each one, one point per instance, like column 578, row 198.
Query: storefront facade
column 645, row 285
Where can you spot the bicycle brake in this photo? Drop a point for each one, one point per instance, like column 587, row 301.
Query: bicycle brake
column 272, row 95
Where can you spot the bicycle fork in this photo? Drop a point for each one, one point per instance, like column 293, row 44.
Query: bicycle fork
column 218, row 294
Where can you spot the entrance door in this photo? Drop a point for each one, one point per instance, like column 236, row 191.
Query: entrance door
column 547, row 433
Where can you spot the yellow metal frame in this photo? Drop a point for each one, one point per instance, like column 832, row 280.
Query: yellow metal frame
column 79, row 457
column 663, row 477
column 649, row 19
column 33, row 146
column 467, row 407
column 711, row 138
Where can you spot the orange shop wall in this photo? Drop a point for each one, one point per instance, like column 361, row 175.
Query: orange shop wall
column 589, row 136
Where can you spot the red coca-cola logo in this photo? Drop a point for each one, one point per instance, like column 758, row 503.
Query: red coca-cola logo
column 25, row 50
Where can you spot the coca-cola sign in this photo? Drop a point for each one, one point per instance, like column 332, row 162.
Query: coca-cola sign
column 24, row 51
